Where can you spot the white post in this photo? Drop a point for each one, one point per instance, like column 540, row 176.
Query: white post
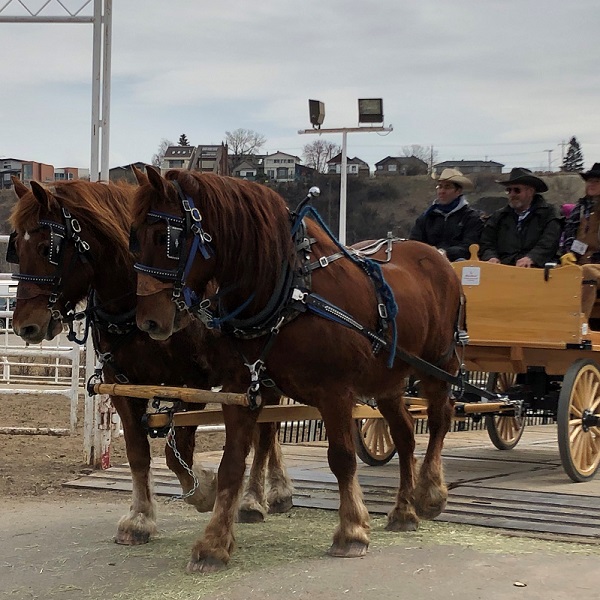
column 343, row 182
column 96, row 81
column 106, row 73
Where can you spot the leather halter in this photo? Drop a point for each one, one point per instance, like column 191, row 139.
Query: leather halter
column 59, row 232
column 179, row 230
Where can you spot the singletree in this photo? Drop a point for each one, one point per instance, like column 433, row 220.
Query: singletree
column 573, row 161
column 318, row 153
column 183, row 141
column 162, row 148
column 426, row 153
column 244, row 142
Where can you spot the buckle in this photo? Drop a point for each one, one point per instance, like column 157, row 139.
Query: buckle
column 382, row 310
column 323, row 261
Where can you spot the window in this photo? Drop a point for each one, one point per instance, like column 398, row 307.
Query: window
column 271, row 173
column 175, row 164
column 380, row 167
column 353, row 168
column 392, row 167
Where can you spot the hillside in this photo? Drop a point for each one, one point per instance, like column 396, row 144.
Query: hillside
column 376, row 206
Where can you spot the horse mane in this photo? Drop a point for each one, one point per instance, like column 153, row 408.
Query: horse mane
column 102, row 208
column 237, row 214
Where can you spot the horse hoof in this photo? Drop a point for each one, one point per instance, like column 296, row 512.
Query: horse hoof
column 281, row 506
column 250, row 516
column 402, row 526
column 430, row 511
column 352, row 550
column 205, row 565
column 132, row 538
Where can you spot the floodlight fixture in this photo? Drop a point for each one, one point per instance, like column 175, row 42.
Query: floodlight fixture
column 316, row 113
column 370, row 110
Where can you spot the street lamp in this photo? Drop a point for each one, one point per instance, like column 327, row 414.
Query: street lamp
column 370, row 110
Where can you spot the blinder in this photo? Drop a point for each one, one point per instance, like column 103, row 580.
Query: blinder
column 11, row 251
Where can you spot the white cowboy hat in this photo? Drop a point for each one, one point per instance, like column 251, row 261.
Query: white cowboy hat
column 456, row 177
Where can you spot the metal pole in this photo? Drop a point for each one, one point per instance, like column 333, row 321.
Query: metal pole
column 106, row 72
column 96, row 76
column 343, row 182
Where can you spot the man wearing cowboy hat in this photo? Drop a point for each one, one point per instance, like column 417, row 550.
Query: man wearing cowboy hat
column 581, row 239
column 526, row 232
column 449, row 224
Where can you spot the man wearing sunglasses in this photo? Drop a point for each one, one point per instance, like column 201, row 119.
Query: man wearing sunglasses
column 526, row 232
column 581, row 239
column 449, row 224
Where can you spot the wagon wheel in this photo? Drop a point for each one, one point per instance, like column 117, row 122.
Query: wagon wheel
column 578, row 420
column 505, row 431
column 373, row 442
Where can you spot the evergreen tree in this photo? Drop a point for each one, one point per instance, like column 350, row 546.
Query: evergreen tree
column 573, row 161
column 183, row 141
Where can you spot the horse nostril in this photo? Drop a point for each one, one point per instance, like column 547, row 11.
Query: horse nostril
column 29, row 331
column 149, row 325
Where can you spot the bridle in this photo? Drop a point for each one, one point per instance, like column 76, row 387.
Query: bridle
column 179, row 230
column 59, row 232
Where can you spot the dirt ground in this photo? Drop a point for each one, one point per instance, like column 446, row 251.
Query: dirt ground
column 57, row 543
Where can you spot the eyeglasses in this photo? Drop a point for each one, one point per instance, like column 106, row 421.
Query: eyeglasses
column 516, row 190
column 445, row 186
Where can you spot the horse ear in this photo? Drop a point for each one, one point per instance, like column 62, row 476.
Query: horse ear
column 20, row 188
column 156, row 180
column 141, row 177
column 44, row 197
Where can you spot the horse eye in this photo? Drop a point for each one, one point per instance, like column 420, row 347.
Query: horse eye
column 44, row 249
column 160, row 238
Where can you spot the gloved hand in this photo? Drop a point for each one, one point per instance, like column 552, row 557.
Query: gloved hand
column 568, row 259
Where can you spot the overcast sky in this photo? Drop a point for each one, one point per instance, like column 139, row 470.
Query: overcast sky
column 503, row 80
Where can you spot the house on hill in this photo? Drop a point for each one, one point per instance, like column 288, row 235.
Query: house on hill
column 125, row 173
column 467, row 167
column 354, row 166
column 400, row 166
column 206, row 159
column 281, row 166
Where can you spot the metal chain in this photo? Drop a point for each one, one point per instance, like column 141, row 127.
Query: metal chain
column 172, row 445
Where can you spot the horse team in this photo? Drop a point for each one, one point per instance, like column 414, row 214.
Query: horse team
column 234, row 290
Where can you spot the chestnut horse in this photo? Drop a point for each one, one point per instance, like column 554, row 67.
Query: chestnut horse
column 329, row 342
column 74, row 238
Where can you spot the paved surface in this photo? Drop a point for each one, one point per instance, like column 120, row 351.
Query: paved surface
column 524, row 490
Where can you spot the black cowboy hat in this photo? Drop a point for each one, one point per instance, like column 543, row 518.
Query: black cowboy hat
column 524, row 177
column 593, row 172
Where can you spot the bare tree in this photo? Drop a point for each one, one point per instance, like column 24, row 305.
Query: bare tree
column 426, row 153
column 162, row 148
column 243, row 142
column 317, row 154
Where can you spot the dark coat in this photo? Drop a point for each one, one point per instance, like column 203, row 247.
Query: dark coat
column 538, row 238
column 453, row 232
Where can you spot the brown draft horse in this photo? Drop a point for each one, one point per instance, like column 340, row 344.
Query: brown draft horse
column 246, row 231
column 194, row 357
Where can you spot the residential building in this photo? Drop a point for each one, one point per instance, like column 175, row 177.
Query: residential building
column 248, row 167
column 396, row 166
column 70, row 174
column 467, row 167
column 8, row 168
column 35, row 171
column 125, row 173
column 354, row 166
column 206, row 159
column 281, row 166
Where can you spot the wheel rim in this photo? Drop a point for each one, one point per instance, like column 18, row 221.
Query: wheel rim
column 584, row 441
column 376, row 437
column 509, row 429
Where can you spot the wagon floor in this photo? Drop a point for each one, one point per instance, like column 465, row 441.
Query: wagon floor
column 524, row 491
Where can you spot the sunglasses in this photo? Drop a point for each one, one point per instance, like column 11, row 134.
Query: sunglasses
column 516, row 190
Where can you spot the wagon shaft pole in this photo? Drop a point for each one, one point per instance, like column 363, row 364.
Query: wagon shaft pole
column 169, row 393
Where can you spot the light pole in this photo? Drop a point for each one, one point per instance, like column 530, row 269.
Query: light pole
column 549, row 159
column 370, row 110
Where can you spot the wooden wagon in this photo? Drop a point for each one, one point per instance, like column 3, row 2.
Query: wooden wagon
column 527, row 335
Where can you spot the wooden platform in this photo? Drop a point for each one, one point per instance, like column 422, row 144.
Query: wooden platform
column 524, row 490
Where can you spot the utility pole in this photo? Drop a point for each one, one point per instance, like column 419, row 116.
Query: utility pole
column 549, row 159
column 562, row 151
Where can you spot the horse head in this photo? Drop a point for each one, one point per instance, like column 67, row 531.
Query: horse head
column 56, row 250
column 168, row 233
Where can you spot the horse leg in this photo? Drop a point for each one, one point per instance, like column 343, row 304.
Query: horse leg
column 253, row 507
column 279, row 498
column 351, row 537
column 431, row 493
column 212, row 552
column 181, row 463
column 139, row 524
column 403, row 516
